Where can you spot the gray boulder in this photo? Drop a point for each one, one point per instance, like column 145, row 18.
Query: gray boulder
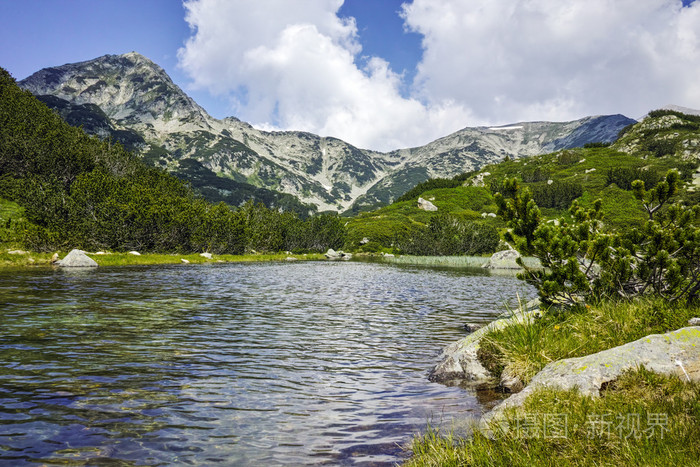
column 335, row 255
column 426, row 205
column 505, row 259
column 694, row 322
column 458, row 362
column 673, row 353
column 76, row 259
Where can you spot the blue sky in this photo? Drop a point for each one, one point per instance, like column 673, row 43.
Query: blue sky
column 382, row 74
column 53, row 32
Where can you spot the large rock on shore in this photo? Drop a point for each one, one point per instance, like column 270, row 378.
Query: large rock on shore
column 506, row 259
column 77, row 259
column 335, row 255
column 674, row 353
column 458, row 362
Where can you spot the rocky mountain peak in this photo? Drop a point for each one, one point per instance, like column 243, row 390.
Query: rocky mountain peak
column 138, row 95
column 130, row 89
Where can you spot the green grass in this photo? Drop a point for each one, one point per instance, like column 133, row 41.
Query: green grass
column 11, row 219
column 451, row 261
column 526, row 348
column 125, row 259
column 563, row 428
column 585, row 166
column 384, row 224
column 439, row 261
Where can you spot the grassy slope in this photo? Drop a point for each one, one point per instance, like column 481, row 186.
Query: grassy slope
column 588, row 167
column 642, row 419
column 525, row 349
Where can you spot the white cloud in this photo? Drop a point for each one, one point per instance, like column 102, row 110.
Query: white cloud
column 511, row 60
column 292, row 64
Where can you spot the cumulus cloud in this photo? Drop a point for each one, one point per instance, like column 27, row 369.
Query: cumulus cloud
column 294, row 64
column 514, row 60
column 291, row 65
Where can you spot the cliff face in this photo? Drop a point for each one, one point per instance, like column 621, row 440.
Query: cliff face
column 169, row 129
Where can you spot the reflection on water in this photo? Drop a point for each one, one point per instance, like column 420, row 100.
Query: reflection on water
column 246, row 364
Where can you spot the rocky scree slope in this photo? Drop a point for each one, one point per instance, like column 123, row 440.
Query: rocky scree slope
column 166, row 127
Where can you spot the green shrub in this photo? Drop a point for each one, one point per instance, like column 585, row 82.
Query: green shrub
column 568, row 158
column 584, row 263
column 447, row 235
column 557, row 195
column 624, row 176
column 432, row 184
column 661, row 147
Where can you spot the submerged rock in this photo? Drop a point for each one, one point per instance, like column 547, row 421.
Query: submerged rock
column 673, row 353
column 77, row 259
column 472, row 327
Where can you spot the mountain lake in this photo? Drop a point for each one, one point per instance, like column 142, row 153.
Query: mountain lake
column 301, row 363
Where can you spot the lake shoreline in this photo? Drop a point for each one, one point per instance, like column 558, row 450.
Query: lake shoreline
column 27, row 259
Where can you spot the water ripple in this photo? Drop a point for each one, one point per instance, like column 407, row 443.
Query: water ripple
column 246, row 364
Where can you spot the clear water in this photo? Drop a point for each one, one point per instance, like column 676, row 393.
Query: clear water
column 235, row 364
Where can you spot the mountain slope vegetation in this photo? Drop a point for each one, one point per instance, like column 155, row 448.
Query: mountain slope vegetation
column 666, row 139
column 61, row 188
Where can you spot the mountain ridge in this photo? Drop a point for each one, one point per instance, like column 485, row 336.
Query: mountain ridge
column 137, row 95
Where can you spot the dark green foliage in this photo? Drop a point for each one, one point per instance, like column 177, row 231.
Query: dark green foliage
column 553, row 194
column 596, row 145
column 557, row 195
column 624, row 176
column 583, row 262
column 681, row 115
column 536, row 175
column 432, row 184
column 267, row 230
column 662, row 147
column 447, row 235
column 501, row 186
column 686, row 170
column 521, row 212
column 78, row 191
column 568, row 158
